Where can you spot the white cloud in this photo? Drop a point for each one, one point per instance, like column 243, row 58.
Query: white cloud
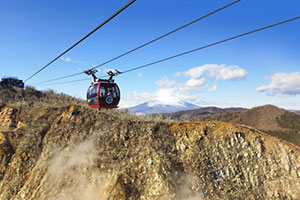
column 171, row 96
column 140, row 74
column 168, row 92
column 220, row 72
column 282, row 84
column 165, row 83
column 213, row 88
column 163, row 95
column 195, row 82
column 196, row 85
column 177, row 74
column 198, row 81
column 68, row 59
column 142, row 97
column 124, row 105
column 199, row 75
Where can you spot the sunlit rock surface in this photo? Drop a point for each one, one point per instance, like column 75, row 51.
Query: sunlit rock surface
column 78, row 153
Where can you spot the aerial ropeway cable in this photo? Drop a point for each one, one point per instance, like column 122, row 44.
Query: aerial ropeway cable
column 86, row 36
column 193, row 50
column 145, row 44
column 210, row 45
column 105, row 93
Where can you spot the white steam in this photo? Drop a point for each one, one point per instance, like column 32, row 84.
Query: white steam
column 73, row 174
column 188, row 189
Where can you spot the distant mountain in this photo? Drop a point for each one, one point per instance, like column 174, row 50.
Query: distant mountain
column 161, row 107
column 187, row 114
column 275, row 121
column 295, row 111
column 164, row 102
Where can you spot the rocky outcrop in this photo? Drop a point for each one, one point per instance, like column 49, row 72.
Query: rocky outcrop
column 6, row 151
column 74, row 153
column 7, row 118
column 236, row 162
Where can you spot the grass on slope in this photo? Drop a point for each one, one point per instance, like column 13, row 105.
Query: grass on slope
column 29, row 97
column 291, row 123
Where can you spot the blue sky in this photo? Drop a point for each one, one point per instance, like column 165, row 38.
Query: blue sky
column 262, row 68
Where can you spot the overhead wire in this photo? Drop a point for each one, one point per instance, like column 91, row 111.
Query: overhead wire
column 212, row 44
column 72, row 81
column 145, row 44
column 86, row 36
column 203, row 47
column 66, row 82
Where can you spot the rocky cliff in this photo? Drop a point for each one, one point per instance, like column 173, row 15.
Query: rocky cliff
column 77, row 153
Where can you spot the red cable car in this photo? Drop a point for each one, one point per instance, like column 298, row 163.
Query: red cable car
column 103, row 93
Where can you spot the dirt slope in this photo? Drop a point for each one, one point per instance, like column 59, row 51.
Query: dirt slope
column 78, row 153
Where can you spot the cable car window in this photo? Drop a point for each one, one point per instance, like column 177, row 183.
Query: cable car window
column 114, row 93
column 102, row 92
column 92, row 95
column 107, row 92
column 117, row 90
column 94, row 90
column 89, row 93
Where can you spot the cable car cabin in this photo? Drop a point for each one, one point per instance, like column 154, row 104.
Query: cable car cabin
column 103, row 94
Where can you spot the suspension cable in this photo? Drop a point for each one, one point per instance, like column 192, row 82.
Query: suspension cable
column 210, row 45
column 86, row 36
column 66, row 82
column 147, row 43
column 200, row 48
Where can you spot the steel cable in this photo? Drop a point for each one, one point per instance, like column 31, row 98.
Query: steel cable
column 145, row 44
column 86, row 36
column 200, row 48
column 210, row 45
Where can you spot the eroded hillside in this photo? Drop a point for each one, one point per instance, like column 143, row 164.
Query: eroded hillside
column 78, row 153
column 270, row 119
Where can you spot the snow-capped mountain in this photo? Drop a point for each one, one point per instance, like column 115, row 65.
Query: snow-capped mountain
column 151, row 107
column 164, row 101
column 295, row 111
column 159, row 106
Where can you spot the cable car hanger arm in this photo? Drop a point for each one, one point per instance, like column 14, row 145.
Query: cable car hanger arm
column 110, row 73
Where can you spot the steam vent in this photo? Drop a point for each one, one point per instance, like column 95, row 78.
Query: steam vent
column 75, row 153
